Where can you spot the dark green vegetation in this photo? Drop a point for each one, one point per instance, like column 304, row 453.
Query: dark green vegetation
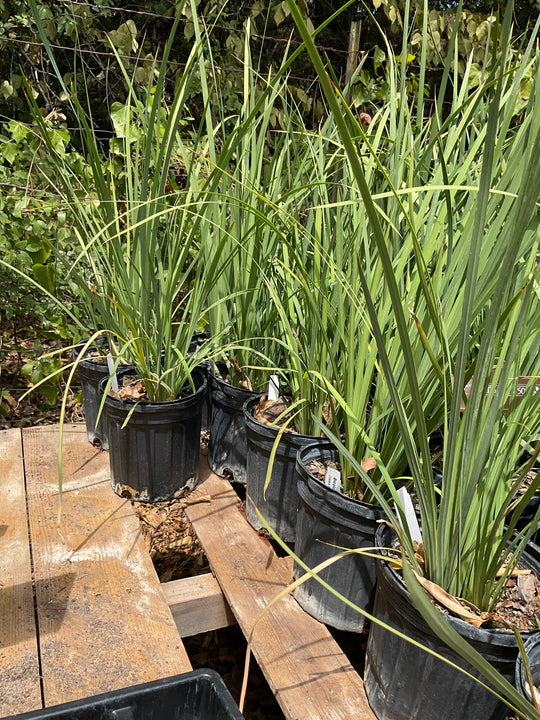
column 33, row 221
column 205, row 193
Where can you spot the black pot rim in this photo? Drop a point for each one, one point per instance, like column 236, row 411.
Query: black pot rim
column 271, row 431
column 468, row 631
column 521, row 678
column 226, row 387
column 84, row 360
column 307, row 476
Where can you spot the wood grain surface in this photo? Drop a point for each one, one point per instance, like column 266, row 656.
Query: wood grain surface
column 103, row 619
column 197, row 604
column 104, row 622
column 305, row 668
column 19, row 666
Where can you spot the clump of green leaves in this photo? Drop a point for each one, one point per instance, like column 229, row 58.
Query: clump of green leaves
column 34, row 226
column 45, row 371
column 468, row 524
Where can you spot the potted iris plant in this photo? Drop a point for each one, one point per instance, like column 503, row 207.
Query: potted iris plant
column 469, row 544
column 140, row 231
column 150, row 256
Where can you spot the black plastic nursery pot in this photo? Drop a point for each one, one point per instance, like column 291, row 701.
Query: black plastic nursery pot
column 198, row 339
column 328, row 520
column 404, row 682
column 528, row 515
column 197, row 695
column 228, row 440
column 91, row 372
column 278, row 504
column 156, row 452
column 532, row 651
column 205, row 412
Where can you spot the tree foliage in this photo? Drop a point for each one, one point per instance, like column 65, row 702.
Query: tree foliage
column 86, row 34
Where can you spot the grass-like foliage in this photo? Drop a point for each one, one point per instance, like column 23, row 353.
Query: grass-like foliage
column 455, row 234
column 140, row 222
column 448, row 311
column 381, row 268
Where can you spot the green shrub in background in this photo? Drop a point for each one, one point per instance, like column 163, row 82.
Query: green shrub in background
column 82, row 34
column 31, row 224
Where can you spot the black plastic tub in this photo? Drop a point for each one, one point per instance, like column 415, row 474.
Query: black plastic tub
column 197, row 695
column 155, row 454
column 532, row 651
column 228, row 441
column 328, row 520
column 278, row 503
column 91, row 372
column 403, row 681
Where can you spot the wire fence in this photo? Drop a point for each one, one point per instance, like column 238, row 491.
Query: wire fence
column 214, row 26
column 94, row 58
column 99, row 59
column 93, row 54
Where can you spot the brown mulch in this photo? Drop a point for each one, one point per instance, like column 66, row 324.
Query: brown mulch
column 170, row 538
column 319, row 468
column 268, row 411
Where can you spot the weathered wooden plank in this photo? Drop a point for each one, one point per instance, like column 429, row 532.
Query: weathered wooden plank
column 104, row 622
column 304, row 666
column 19, row 667
column 197, row 604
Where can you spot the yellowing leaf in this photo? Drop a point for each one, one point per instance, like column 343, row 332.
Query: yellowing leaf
column 6, row 90
column 477, row 619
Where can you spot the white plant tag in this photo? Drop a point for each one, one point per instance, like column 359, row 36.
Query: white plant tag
column 332, row 479
column 410, row 515
column 273, row 388
column 110, row 365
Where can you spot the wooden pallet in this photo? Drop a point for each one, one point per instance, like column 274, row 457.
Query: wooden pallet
column 305, row 668
column 93, row 617
column 81, row 608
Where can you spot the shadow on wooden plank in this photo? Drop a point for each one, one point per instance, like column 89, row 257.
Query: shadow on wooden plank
column 58, row 591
